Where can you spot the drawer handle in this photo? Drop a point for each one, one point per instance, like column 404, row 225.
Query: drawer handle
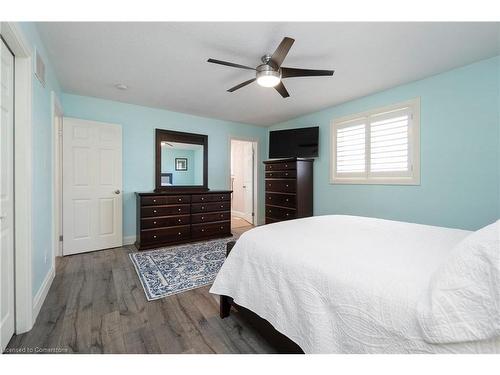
column 222, row 197
column 180, row 199
column 154, row 200
column 221, row 206
column 179, row 210
column 286, row 174
column 154, row 222
column 203, row 230
column 221, row 227
column 179, row 233
column 202, row 207
column 287, row 199
column 286, row 185
column 270, row 174
column 154, row 236
column 202, row 218
column 179, row 220
column 269, row 198
column 222, row 215
column 202, row 198
column 269, row 211
column 269, row 185
column 154, row 211
column 287, row 214
column 286, row 165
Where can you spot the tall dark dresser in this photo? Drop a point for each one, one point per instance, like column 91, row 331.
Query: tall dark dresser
column 289, row 189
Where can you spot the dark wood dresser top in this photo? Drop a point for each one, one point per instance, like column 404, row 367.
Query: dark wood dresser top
column 288, row 160
column 182, row 192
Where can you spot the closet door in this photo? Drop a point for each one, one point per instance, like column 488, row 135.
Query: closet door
column 92, row 186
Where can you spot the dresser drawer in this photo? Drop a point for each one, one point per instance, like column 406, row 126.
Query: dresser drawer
column 286, row 200
column 163, row 200
column 281, row 186
column 281, row 166
column 204, row 230
column 165, row 234
column 208, row 217
column 154, row 211
column 270, row 220
column 210, row 207
column 165, row 221
column 282, row 174
column 280, row 213
column 201, row 198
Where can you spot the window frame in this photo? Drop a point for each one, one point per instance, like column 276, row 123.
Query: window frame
column 412, row 177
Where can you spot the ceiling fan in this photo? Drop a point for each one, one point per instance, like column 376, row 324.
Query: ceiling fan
column 270, row 73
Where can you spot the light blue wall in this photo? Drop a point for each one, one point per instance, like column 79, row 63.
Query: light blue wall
column 459, row 153
column 179, row 178
column 139, row 124
column 42, row 179
column 198, row 170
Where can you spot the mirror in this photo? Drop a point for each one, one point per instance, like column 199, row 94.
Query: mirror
column 181, row 160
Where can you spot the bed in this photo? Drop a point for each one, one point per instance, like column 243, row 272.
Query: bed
column 347, row 284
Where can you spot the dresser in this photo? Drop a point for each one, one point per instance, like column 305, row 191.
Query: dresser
column 175, row 217
column 289, row 189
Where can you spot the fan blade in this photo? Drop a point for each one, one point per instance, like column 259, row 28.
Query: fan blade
column 243, row 84
column 282, row 90
column 295, row 72
column 281, row 52
column 229, row 64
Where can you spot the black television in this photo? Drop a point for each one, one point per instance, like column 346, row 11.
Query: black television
column 301, row 143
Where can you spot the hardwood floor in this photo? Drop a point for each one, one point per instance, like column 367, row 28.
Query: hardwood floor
column 238, row 222
column 96, row 304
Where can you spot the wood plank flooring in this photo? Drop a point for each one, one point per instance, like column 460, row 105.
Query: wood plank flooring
column 96, row 304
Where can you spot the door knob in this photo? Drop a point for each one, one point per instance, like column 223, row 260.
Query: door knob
column 117, row 191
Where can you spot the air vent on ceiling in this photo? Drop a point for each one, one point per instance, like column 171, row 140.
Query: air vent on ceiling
column 39, row 68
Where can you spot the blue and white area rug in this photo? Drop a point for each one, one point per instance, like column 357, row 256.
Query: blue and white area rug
column 173, row 270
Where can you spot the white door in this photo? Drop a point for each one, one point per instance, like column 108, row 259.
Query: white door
column 248, row 170
column 6, row 196
column 92, row 186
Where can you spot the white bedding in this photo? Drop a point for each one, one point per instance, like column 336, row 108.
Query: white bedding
column 342, row 284
column 462, row 302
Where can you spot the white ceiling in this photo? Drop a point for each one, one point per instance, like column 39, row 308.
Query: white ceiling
column 164, row 64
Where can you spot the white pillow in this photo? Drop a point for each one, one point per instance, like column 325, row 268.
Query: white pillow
column 463, row 300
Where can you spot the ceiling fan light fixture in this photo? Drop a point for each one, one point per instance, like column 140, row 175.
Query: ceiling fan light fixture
column 270, row 72
column 268, row 78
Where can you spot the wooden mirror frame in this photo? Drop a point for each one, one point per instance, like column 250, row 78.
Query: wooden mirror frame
column 174, row 136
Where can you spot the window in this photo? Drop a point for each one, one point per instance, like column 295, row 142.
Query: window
column 381, row 146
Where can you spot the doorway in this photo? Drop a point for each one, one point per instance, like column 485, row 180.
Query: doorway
column 243, row 183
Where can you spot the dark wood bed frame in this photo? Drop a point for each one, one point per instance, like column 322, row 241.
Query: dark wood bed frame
column 279, row 341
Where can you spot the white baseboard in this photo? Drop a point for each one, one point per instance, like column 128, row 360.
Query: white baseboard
column 237, row 213
column 129, row 240
column 42, row 293
column 241, row 215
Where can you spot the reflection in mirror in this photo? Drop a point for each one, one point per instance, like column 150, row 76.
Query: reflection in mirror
column 181, row 164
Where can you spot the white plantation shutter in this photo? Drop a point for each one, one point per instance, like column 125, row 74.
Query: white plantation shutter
column 389, row 143
column 351, row 148
column 378, row 147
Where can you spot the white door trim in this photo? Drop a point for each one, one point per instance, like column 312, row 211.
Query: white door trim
column 22, row 174
column 255, row 172
column 57, row 111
